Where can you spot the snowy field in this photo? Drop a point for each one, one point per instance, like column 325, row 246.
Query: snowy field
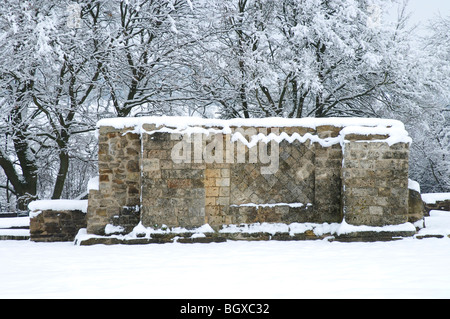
column 408, row 268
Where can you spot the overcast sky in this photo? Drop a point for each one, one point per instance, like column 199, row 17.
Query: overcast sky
column 424, row 10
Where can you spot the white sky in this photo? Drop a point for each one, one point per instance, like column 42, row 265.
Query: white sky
column 424, row 10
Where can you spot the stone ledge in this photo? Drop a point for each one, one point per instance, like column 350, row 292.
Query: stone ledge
column 14, row 237
column 254, row 232
column 105, row 240
column 356, row 237
column 373, row 236
column 430, row 236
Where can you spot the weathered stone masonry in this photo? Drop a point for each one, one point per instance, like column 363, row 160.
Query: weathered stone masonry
column 57, row 220
column 184, row 172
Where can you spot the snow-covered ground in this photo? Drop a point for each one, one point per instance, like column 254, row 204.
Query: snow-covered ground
column 408, row 268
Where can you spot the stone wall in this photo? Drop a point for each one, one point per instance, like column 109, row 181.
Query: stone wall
column 180, row 172
column 117, row 199
column 173, row 194
column 57, row 220
column 375, row 179
column 438, row 205
column 436, row 201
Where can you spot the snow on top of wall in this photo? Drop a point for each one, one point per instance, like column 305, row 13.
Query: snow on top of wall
column 272, row 205
column 318, row 229
column 394, row 129
column 8, row 222
column 185, row 121
column 57, row 204
column 345, row 228
column 432, row 198
column 93, row 183
column 415, row 186
column 331, row 229
column 397, row 134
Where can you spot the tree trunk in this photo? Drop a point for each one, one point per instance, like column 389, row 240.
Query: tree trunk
column 62, row 174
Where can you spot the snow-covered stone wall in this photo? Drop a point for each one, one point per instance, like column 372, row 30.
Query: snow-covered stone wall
column 56, row 220
column 436, row 201
column 187, row 172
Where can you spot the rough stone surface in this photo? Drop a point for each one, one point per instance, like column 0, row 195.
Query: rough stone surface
column 173, row 194
column 438, row 205
column 375, row 181
column 364, row 180
column 119, row 180
column 416, row 207
column 54, row 225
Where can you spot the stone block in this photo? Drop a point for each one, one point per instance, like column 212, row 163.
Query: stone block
column 224, row 182
column 212, row 191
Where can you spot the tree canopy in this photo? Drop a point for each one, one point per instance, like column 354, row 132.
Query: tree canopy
column 66, row 64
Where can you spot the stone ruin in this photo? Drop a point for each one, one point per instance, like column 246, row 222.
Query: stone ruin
column 201, row 180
